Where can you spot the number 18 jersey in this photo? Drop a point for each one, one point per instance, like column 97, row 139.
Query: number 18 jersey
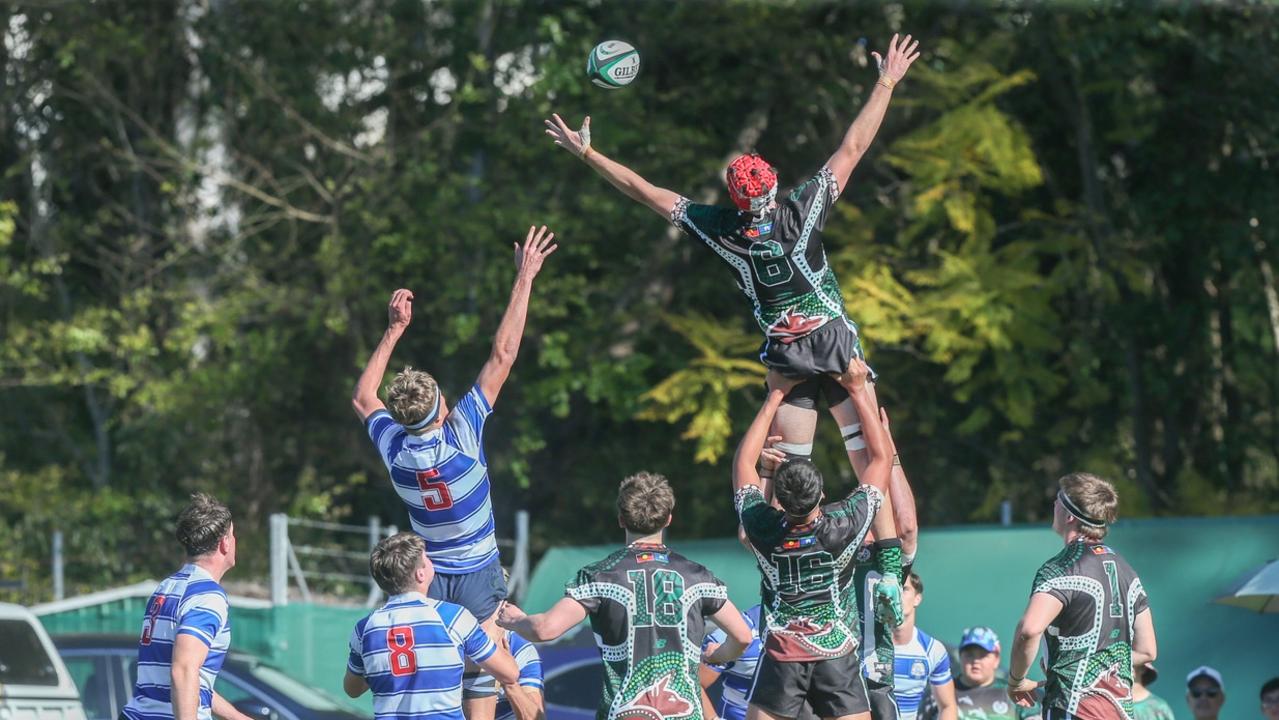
column 648, row 608
column 778, row 258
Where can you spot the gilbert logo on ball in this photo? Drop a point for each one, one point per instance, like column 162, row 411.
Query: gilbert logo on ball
column 613, row 64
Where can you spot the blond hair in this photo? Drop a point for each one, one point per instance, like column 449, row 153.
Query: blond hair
column 644, row 502
column 1096, row 498
column 394, row 560
column 411, row 396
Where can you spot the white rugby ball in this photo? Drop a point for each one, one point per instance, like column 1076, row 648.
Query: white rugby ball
column 613, row 64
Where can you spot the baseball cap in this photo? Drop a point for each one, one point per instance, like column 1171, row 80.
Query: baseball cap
column 1205, row 671
column 982, row 637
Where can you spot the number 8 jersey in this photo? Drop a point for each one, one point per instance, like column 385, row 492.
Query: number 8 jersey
column 412, row 651
column 778, row 257
column 648, row 608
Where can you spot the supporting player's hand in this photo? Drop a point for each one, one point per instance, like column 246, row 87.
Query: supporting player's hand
column 854, row 379
column 778, row 381
column 1025, row 693
column 399, row 311
column 508, row 615
column 575, row 142
column 900, row 56
column 770, row 458
column 537, row 246
column 888, row 601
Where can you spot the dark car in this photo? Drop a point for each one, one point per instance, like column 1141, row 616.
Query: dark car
column 105, row 666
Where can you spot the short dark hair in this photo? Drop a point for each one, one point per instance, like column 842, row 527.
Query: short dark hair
column 1271, row 685
column 394, row 560
column 798, row 486
column 915, row 582
column 202, row 524
column 644, row 502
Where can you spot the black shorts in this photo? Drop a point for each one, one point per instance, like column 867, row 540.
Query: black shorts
column 817, row 355
column 832, row 687
column 883, row 706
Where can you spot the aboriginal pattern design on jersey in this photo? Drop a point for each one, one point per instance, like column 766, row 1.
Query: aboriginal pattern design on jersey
column 808, row 596
column 876, row 637
column 778, row 258
column 1089, row 644
column 648, row 608
column 988, row 703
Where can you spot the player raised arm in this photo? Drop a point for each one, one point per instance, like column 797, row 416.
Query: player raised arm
column 661, row 200
column 860, row 134
column 399, row 311
column 903, row 499
column 506, row 343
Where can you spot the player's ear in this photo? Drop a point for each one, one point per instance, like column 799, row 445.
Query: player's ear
column 668, row 520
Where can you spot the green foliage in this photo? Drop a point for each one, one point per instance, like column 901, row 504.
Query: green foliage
column 1059, row 250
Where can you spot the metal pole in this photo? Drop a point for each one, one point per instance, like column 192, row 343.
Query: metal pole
column 279, row 559
column 375, row 536
column 1006, row 513
column 519, row 568
column 58, row 587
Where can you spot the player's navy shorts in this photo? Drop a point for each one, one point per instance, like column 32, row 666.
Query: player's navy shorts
column 826, row 350
column 883, row 706
column 832, row 687
column 479, row 591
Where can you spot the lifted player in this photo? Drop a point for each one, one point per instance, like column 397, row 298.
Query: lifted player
column 1094, row 610
column 774, row 246
column 805, row 553
column 435, row 457
column 648, row 607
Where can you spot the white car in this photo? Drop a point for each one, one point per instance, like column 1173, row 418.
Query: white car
column 34, row 684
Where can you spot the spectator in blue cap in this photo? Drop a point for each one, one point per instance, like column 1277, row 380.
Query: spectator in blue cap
column 979, row 691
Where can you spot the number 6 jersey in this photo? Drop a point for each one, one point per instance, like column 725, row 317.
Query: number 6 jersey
column 778, row 258
column 648, row 608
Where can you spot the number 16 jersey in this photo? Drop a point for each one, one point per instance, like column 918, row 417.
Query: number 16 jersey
column 648, row 608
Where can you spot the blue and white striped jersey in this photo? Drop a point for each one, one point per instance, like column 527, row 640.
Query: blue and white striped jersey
column 740, row 673
column 442, row 476
column 188, row 602
column 411, row 652
column 916, row 664
column 530, row 664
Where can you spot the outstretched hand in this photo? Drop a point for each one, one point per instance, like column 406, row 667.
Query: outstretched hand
column 537, row 246
column 771, row 458
column 575, row 142
column 900, row 56
column 399, row 311
column 854, row 379
column 509, row 614
column 778, row 381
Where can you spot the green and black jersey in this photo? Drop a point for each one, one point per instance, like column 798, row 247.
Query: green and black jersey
column 876, row 644
column 778, row 258
column 990, row 702
column 1089, row 644
column 648, row 608
column 809, row 604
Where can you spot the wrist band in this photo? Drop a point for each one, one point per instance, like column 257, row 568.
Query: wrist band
column 886, row 82
column 586, row 152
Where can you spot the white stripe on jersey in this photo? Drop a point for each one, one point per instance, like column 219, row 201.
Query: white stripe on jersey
column 916, row 664
column 188, row 602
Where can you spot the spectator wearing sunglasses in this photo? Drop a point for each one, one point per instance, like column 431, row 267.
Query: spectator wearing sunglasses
column 1205, row 693
column 1270, row 699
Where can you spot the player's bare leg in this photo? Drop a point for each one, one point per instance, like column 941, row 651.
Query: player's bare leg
column 485, row 707
column 850, row 427
column 796, row 426
column 755, row 712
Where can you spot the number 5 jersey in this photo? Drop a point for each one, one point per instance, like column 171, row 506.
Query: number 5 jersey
column 648, row 608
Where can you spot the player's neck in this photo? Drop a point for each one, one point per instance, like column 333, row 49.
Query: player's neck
column 905, row 632
column 637, row 539
column 1072, row 535
column 213, row 566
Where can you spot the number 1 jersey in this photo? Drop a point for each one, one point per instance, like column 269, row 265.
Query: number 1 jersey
column 648, row 608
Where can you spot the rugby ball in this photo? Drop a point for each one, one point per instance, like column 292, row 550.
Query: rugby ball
column 613, row 64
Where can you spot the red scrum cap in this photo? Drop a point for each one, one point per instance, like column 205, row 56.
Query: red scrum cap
column 752, row 182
